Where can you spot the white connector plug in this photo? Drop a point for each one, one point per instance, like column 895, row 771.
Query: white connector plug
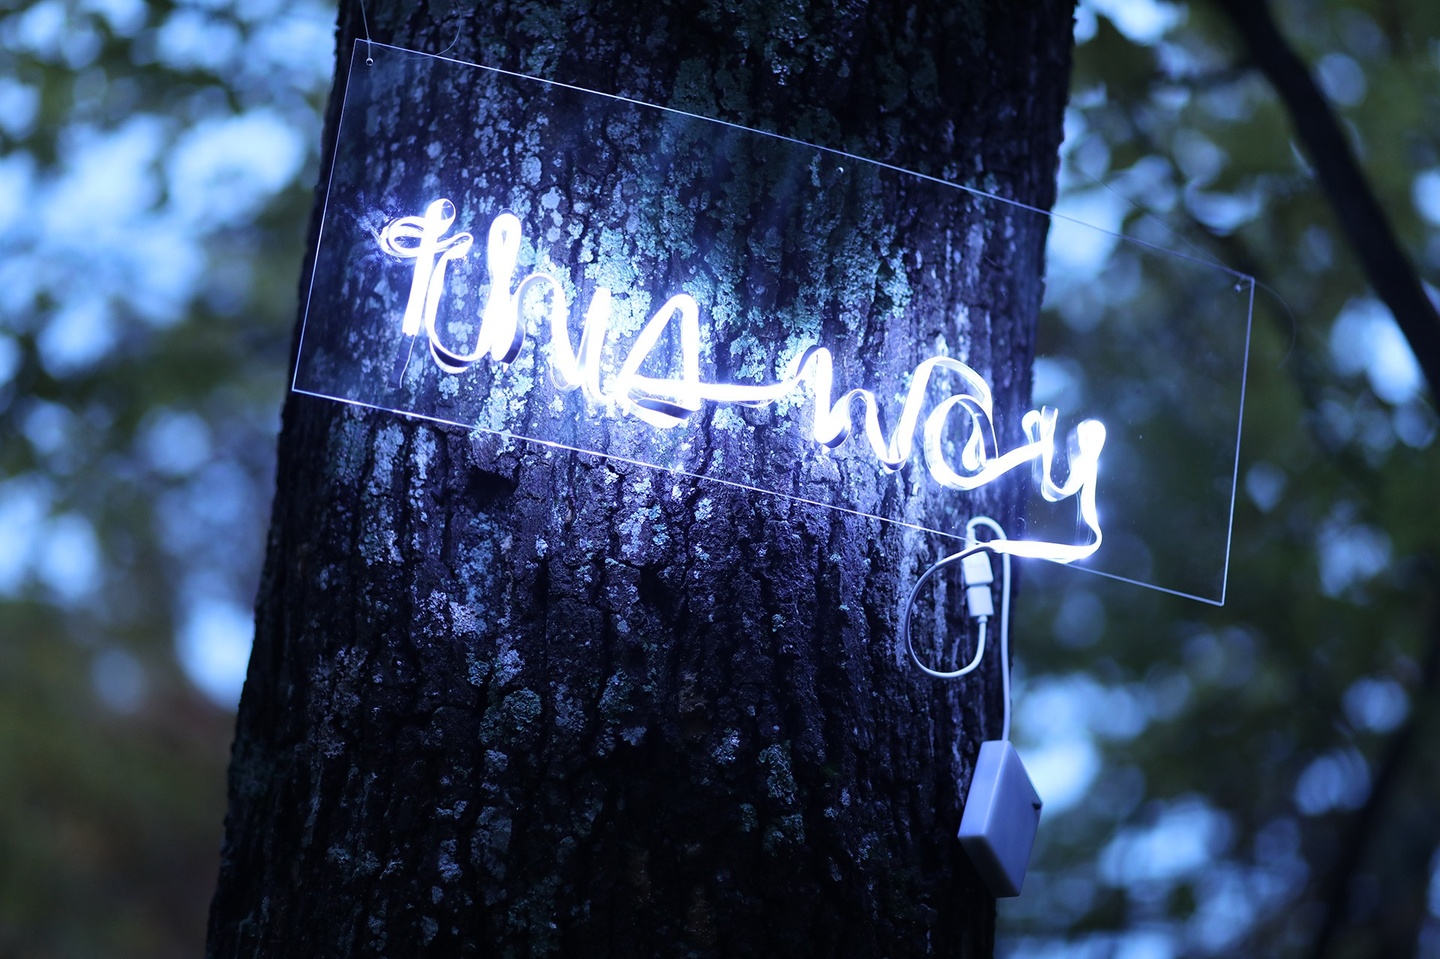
column 978, row 574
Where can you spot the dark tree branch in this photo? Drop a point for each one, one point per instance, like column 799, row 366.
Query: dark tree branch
column 1394, row 279
column 1399, row 753
column 1363, row 221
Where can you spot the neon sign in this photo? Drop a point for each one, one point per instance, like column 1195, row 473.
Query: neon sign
column 639, row 283
column 666, row 403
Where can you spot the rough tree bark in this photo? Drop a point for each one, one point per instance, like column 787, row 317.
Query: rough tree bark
column 483, row 718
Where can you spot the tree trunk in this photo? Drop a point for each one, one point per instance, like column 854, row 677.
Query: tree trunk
column 486, row 716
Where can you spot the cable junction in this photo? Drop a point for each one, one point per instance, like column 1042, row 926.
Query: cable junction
column 978, row 575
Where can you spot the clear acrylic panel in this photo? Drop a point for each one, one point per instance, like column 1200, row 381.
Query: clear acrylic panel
column 490, row 288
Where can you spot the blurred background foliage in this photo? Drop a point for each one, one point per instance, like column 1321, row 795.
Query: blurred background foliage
column 1256, row 779
column 157, row 163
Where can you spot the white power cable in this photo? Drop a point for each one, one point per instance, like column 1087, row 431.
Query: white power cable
column 905, row 636
column 980, row 548
column 995, row 528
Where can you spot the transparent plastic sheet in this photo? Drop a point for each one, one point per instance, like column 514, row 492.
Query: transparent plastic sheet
column 1150, row 343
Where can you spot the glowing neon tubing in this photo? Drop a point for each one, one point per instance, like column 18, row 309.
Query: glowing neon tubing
column 420, row 238
column 665, row 403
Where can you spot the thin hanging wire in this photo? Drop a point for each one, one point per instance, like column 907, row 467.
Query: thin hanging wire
column 365, row 22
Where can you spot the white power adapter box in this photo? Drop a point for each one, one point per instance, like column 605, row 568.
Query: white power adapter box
column 1002, row 814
